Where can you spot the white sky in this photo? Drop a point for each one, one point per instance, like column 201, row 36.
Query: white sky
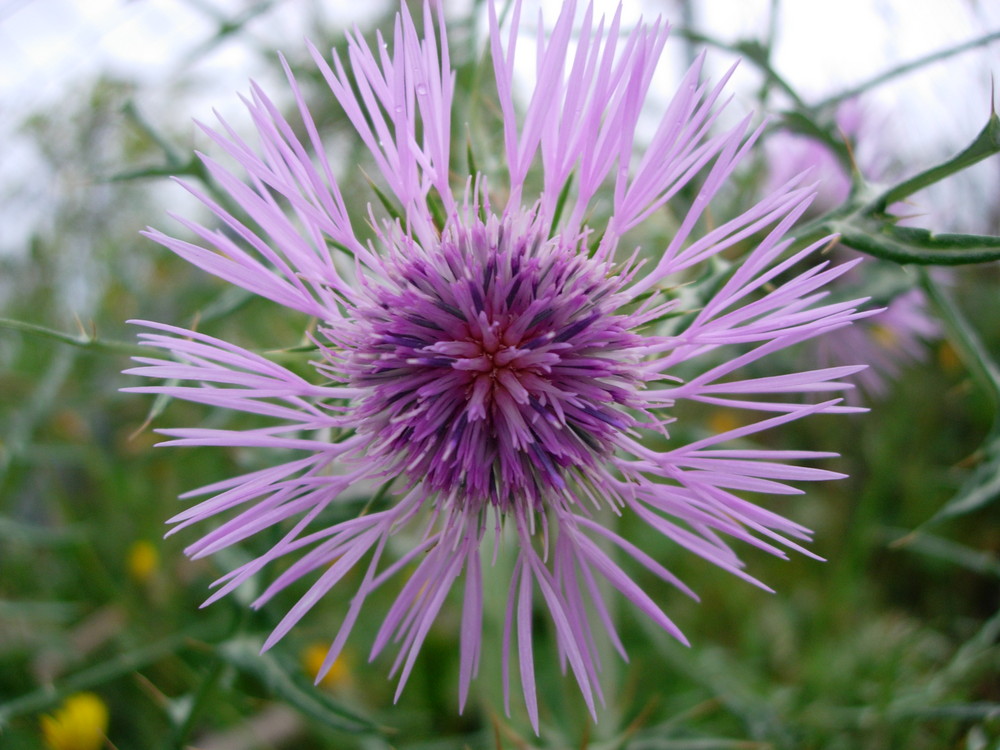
column 48, row 47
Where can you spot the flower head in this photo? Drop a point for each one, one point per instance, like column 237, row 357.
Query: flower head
column 494, row 364
column 490, row 362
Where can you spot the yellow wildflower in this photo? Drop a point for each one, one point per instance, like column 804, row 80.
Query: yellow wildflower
column 80, row 723
column 312, row 661
column 142, row 560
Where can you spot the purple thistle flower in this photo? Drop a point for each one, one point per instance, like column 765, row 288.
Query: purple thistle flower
column 790, row 153
column 889, row 342
column 896, row 336
column 503, row 372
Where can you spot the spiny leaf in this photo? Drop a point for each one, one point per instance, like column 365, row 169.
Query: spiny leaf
column 244, row 654
column 918, row 246
column 985, row 145
column 980, row 489
column 83, row 341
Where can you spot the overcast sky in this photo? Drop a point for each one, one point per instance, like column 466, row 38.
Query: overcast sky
column 49, row 47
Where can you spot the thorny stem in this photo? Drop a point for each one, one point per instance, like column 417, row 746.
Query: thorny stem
column 908, row 67
column 90, row 342
column 864, row 224
column 85, row 340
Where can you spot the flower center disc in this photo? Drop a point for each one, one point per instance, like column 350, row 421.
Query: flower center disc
column 495, row 364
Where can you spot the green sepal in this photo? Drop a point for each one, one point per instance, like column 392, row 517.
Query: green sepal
column 561, row 202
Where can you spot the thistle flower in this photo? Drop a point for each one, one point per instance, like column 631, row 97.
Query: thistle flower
column 497, row 368
column 791, row 153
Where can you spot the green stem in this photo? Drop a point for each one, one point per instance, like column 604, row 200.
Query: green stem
column 122, row 664
column 755, row 52
column 908, row 67
column 83, row 341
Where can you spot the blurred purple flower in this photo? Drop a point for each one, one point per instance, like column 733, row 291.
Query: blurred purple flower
column 499, row 371
column 791, row 153
column 889, row 342
column 895, row 337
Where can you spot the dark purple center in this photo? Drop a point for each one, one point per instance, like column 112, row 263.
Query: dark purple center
column 496, row 366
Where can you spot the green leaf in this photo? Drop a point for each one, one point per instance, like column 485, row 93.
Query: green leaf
column 190, row 168
column 244, row 654
column 971, row 348
column 114, row 667
column 391, row 208
column 917, row 237
column 561, row 202
column 470, row 156
column 436, row 206
column 985, row 563
column 980, row 489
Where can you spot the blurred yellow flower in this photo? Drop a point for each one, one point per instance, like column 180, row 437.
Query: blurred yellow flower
column 142, row 560
column 723, row 420
column 79, row 724
column 312, row 661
